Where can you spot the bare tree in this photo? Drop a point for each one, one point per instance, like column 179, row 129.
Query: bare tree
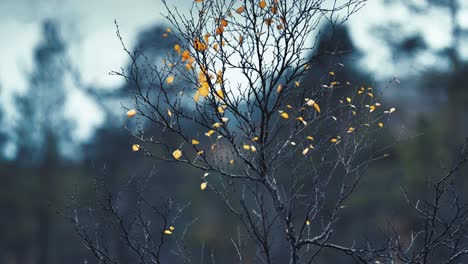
column 283, row 156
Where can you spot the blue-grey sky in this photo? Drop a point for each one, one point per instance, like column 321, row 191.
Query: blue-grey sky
column 88, row 27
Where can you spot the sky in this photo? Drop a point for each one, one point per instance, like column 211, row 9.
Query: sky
column 88, row 27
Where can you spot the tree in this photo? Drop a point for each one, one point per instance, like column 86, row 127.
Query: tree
column 43, row 131
column 282, row 155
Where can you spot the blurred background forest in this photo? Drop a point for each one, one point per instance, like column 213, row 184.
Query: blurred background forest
column 62, row 115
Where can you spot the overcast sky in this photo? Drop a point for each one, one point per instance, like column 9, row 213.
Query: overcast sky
column 88, row 27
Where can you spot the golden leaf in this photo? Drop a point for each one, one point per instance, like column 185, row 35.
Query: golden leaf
column 136, row 147
column 253, row 148
column 297, row 83
column 220, row 94
column 279, row 89
column 381, row 124
column 209, row 133
column 195, row 142
column 203, row 185
column 284, row 115
column 262, row 4
column 169, row 113
column 333, row 140
column 350, row 130
column 246, row 147
column 305, row 151
column 348, row 99
column 307, row 222
column 177, row 154
column 310, row 138
column 131, row 113
column 170, row 79
column 204, row 89
column 168, row 232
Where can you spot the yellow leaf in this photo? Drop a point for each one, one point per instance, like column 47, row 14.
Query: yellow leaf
column 215, row 46
column 170, row 79
column 317, row 107
column 305, row 151
column 171, row 228
column 177, row 154
column 284, row 115
column 203, row 185
column 136, row 147
column 302, row 120
column 224, row 119
column 262, row 4
column 200, row 152
column 289, row 106
column 310, row 138
column 370, row 95
column 196, row 96
column 195, row 142
column 231, row 162
column 392, row 110
column 372, row 108
column 333, row 140
column 350, row 130
column 185, row 55
column 168, row 30
column 279, row 89
column 217, row 124
column 246, row 147
column 254, row 138
column 131, row 113
column 307, row 222
column 220, row 94
column 209, row 133
column 381, row 124
column 253, row 148
column 168, row 232
column 204, row 89
column 220, row 110
column 348, row 99
column 177, row 48
column 169, row 113
column 332, row 73
column 297, row 83
column 240, row 10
